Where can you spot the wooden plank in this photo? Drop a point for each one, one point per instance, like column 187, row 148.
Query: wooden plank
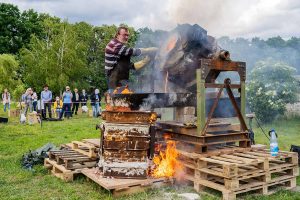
column 95, row 142
column 227, row 160
column 110, row 184
column 213, row 172
column 91, row 153
column 261, row 155
column 245, row 155
column 245, row 160
column 212, row 185
column 76, row 144
column 217, row 161
column 81, row 165
column 138, row 188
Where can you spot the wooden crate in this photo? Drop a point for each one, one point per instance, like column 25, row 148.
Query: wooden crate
column 119, row 187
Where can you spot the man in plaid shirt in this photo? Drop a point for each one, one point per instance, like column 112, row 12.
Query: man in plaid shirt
column 117, row 58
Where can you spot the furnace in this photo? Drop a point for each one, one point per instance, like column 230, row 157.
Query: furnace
column 125, row 143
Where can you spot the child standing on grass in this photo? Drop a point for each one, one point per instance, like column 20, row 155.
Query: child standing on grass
column 58, row 105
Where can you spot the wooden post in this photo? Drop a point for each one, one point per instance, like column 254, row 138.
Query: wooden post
column 200, row 102
column 243, row 99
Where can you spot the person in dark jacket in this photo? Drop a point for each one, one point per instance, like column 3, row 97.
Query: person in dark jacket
column 75, row 101
column 95, row 103
column 83, row 98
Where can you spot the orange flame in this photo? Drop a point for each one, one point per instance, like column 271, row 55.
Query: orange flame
column 153, row 118
column 166, row 163
column 123, row 90
column 109, row 104
column 171, row 43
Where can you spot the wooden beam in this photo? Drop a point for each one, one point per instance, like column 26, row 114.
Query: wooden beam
column 200, row 102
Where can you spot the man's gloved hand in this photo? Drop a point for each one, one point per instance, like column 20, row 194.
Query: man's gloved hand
column 149, row 50
column 138, row 65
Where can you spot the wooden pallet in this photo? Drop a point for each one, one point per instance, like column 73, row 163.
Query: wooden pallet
column 240, row 172
column 95, row 142
column 119, row 187
column 60, row 171
column 71, row 159
column 286, row 182
column 87, row 149
column 245, row 165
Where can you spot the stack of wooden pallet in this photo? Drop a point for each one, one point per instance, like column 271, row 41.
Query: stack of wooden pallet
column 75, row 156
column 236, row 172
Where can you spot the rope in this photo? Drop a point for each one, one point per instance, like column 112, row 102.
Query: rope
column 258, row 123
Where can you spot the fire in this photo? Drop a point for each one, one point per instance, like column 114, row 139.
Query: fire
column 171, row 43
column 119, row 105
column 166, row 163
column 122, row 90
column 153, row 118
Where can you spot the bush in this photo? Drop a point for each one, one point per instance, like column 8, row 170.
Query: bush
column 271, row 87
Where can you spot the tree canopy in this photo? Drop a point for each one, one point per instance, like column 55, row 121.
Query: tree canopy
column 17, row 27
column 271, row 87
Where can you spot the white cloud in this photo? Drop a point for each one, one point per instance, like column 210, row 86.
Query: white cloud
column 235, row 18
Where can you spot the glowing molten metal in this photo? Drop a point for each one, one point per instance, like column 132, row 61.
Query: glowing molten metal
column 166, row 163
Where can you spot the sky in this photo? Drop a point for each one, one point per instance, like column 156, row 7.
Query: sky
column 233, row 18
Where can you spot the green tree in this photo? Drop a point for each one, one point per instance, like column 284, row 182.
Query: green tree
column 59, row 59
column 276, row 42
column 16, row 28
column 10, row 39
column 8, row 74
column 271, row 87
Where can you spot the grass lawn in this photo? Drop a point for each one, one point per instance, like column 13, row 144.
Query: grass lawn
column 17, row 183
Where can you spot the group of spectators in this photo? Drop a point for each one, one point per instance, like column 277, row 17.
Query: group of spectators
column 64, row 106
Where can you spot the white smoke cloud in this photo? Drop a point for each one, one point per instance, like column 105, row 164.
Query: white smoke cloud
column 234, row 18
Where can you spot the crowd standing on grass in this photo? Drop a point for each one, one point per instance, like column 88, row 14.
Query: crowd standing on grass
column 62, row 106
